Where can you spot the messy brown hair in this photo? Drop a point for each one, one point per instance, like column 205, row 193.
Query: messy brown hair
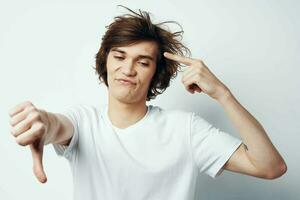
column 137, row 26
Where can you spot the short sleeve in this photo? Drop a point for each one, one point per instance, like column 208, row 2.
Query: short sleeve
column 211, row 147
column 73, row 114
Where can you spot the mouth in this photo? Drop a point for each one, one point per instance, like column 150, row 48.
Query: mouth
column 125, row 82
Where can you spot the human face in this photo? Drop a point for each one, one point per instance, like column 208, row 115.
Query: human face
column 130, row 70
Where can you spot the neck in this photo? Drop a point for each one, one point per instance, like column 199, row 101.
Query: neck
column 123, row 115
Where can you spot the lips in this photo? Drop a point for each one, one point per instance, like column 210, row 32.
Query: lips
column 126, row 81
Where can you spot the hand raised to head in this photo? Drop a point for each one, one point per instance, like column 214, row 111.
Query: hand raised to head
column 198, row 77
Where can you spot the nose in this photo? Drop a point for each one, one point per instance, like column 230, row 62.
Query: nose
column 128, row 68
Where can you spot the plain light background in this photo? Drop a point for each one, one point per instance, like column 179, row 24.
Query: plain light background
column 47, row 53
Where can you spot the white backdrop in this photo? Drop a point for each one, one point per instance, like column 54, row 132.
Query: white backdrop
column 47, row 52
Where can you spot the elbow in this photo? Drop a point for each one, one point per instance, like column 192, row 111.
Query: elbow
column 277, row 172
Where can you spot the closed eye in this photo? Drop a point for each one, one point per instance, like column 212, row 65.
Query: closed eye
column 144, row 64
column 119, row 57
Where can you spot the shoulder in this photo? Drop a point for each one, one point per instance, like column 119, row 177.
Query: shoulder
column 180, row 116
column 82, row 109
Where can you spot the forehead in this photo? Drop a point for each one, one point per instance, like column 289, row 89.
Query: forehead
column 144, row 47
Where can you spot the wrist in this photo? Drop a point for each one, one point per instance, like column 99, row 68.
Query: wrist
column 51, row 127
column 225, row 96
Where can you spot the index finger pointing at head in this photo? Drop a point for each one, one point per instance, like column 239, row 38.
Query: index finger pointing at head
column 178, row 58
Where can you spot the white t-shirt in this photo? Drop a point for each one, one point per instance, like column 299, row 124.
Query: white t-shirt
column 157, row 158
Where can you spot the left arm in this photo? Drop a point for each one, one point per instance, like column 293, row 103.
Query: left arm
column 257, row 156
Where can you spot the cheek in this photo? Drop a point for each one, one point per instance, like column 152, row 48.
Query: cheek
column 147, row 79
column 109, row 65
column 110, row 68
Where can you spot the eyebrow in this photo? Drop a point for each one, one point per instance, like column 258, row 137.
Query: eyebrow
column 139, row 56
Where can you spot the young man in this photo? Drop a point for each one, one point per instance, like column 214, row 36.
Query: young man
column 128, row 150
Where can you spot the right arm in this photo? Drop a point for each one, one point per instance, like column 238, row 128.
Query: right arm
column 36, row 128
column 60, row 130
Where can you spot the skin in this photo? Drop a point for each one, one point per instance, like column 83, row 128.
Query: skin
column 29, row 126
column 137, row 62
column 257, row 156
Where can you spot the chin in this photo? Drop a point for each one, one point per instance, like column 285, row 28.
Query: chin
column 123, row 96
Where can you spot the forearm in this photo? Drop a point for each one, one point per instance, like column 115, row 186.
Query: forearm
column 260, row 149
column 52, row 126
column 56, row 129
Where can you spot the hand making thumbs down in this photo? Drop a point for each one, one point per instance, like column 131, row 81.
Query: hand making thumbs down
column 29, row 127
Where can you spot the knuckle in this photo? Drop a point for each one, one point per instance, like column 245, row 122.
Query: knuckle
column 13, row 132
column 31, row 108
column 33, row 115
column 11, row 122
column 199, row 61
column 40, row 127
column 199, row 70
column 28, row 103
column 10, row 112
column 182, row 79
column 21, row 142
